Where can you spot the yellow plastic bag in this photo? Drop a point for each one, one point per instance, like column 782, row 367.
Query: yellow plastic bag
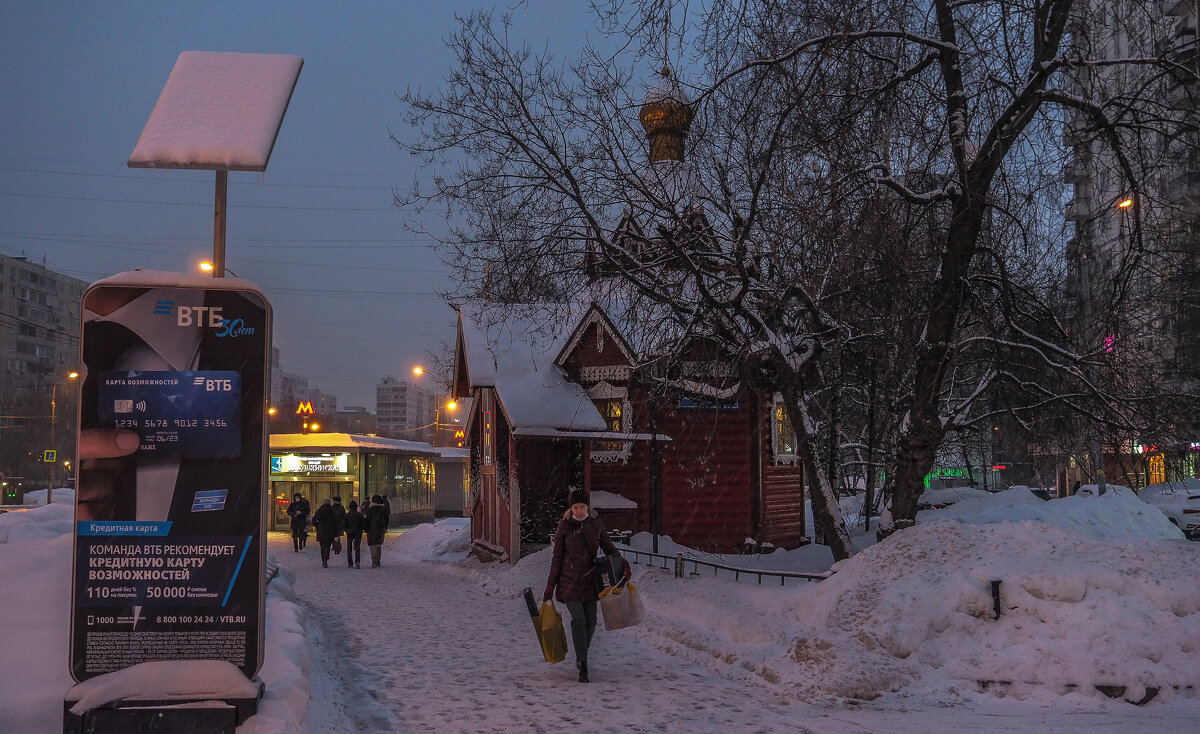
column 621, row 606
column 551, row 634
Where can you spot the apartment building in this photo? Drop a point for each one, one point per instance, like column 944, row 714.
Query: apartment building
column 1133, row 265
column 39, row 348
column 404, row 410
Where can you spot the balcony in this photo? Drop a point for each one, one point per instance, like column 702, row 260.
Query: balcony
column 1185, row 30
column 1078, row 210
column 1185, row 184
column 1075, row 172
column 1182, row 95
column 1182, row 88
column 1177, row 8
column 1077, row 131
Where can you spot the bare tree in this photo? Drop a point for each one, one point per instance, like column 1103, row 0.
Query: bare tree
column 868, row 215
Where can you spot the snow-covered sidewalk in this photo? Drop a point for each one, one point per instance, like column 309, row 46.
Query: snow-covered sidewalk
column 422, row 645
column 1094, row 592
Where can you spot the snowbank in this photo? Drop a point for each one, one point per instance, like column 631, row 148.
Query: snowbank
column 1080, row 583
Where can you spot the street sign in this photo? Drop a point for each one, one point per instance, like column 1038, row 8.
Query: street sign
column 49, row 455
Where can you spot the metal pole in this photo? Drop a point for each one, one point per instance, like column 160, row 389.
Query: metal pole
column 219, row 225
column 656, row 499
column 50, row 482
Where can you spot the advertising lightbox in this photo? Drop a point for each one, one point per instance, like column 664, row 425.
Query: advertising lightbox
column 169, row 541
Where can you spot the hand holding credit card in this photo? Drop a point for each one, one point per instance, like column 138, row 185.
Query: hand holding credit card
column 178, row 414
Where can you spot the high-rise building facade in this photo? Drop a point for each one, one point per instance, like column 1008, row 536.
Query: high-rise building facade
column 404, row 410
column 1133, row 272
column 39, row 348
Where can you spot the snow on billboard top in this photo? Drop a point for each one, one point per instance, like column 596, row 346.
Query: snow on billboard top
column 219, row 111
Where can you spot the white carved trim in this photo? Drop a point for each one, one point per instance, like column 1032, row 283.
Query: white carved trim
column 613, row 457
column 607, row 391
column 610, row 373
column 594, row 316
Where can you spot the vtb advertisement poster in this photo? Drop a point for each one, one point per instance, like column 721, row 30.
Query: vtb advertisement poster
column 169, row 513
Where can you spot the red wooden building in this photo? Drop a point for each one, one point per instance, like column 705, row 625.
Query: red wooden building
column 709, row 463
column 556, row 408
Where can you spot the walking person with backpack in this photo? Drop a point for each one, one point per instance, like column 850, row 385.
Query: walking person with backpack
column 330, row 522
column 356, row 524
column 378, row 519
column 578, row 537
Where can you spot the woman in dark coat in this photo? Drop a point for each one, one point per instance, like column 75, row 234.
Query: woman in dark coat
column 378, row 519
column 356, row 523
column 330, row 522
column 580, row 533
column 299, row 511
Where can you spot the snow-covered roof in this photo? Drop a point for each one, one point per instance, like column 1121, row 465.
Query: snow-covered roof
column 515, row 356
column 218, row 111
column 349, row 442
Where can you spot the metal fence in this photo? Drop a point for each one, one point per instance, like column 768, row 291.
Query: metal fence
column 680, row 565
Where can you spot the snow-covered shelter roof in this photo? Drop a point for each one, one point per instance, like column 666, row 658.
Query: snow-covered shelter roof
column 218, row 111
column 350, row 443
column 515, row 356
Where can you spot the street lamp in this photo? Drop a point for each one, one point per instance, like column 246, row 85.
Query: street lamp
column 53, row 417
column 210, row 268
column 437, row 425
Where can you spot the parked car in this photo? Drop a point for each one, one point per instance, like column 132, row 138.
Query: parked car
column 1179, row 501
column 1094, row 490
column 1041, row 494
column 936, row 499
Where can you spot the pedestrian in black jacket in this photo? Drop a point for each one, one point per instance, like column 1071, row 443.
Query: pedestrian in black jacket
column 330, row 522
column 356, row 524
column 298, row 511
column 378, row 520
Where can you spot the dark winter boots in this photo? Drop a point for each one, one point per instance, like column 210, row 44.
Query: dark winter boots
column 583, row 670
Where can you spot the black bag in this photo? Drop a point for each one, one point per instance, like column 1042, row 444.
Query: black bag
column 337, row 545
column 608, row 571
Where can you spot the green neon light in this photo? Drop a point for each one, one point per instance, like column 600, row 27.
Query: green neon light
column 938, row 473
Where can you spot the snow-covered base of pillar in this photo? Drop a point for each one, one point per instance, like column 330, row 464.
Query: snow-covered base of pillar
column 178, row 696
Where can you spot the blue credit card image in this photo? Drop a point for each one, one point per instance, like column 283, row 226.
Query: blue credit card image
column 178, row 414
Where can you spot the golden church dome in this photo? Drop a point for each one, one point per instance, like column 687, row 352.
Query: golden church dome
column 666, row 115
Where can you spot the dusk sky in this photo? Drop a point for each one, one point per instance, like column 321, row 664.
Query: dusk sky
column 354, row 292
